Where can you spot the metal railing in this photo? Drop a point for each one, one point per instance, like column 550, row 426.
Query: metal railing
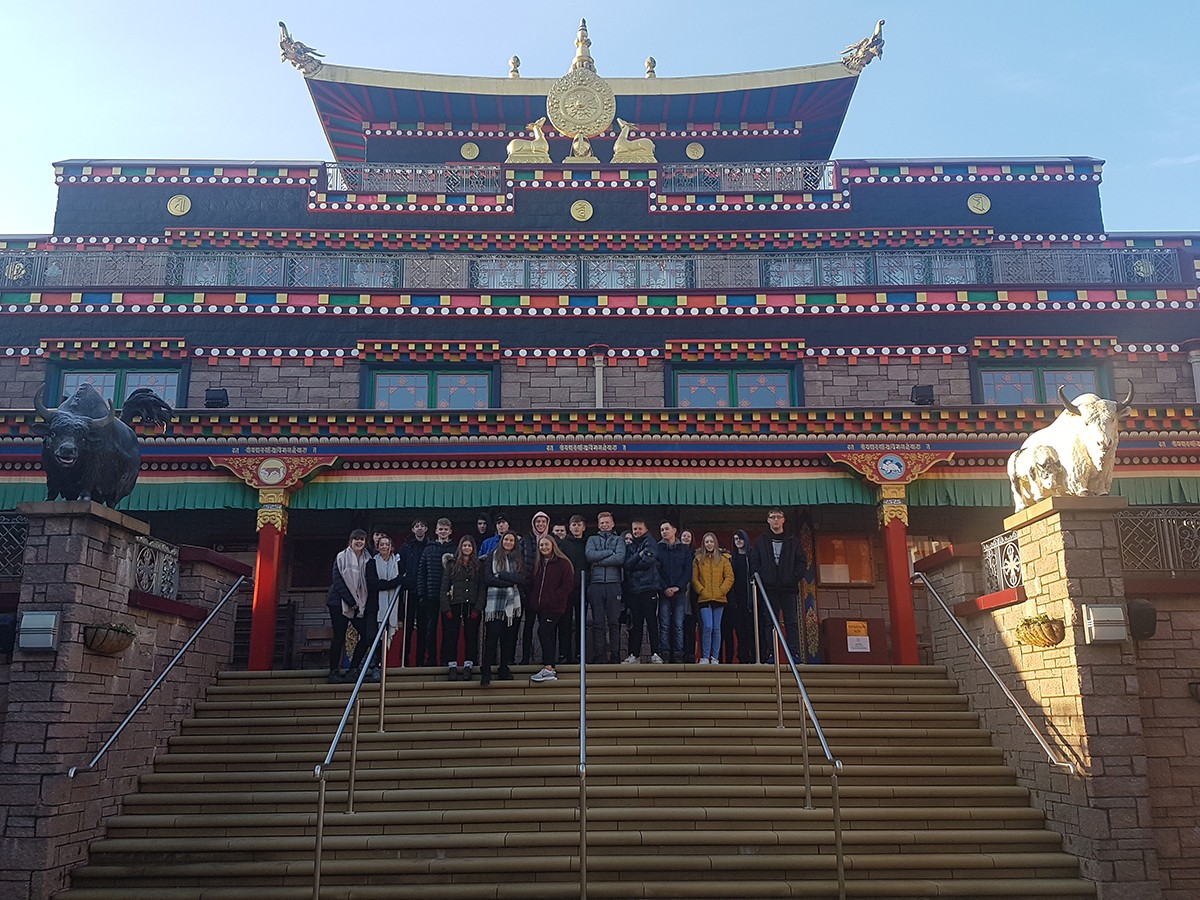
column 481, row 178
column 747, row 177
column 272, row 270
column 1160, row 539
column 14, row 532
column 1001, row 563
column 320, row 772
column 583, row 736
column 91, row 764
column 807, row 713
column 921, row 578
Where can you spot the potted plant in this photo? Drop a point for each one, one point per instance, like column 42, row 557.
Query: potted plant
column 1041, row 631
column 110, row 640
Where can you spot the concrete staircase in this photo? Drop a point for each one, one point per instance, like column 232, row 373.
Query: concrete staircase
column 472, row 792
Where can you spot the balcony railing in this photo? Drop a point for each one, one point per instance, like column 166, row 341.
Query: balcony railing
column 1160, row 539
column 13, row 532
column 392, row 179
column 752, row 178
column 27, row 269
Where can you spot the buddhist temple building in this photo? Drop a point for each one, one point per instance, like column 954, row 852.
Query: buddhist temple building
column 665, row 296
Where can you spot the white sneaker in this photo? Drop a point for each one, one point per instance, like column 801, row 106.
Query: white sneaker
column 630, row 660
column 703, row 661
column 656, row 659
column 714, row 661
column 547, row 674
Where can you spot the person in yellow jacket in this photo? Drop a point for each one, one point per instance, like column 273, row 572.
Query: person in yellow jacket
column 712, row 579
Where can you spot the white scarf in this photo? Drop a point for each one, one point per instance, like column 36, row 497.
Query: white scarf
column 386, row 570
column 353, row 569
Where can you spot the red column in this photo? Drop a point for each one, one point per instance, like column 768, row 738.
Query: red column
column 267, row 567
column 899, row 588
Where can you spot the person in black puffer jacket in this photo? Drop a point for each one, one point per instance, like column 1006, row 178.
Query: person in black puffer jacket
column 429, row 592
column 642, row 585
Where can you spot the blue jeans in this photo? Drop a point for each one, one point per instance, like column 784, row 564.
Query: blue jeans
column 671, row 611
column 710, row 630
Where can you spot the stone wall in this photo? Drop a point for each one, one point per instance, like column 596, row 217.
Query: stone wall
column 291, row 384
column 530, row 383
column 869, row 383
column 20, row 382
column 63, row 704
column 1153, row 381
column 1166, row 664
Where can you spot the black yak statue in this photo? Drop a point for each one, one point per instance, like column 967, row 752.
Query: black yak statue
column 90, row 453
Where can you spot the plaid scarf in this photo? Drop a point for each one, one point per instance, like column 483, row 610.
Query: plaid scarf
column 502, row 602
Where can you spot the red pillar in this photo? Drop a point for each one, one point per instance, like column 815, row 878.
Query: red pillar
column 267, row 567
column 899, row 588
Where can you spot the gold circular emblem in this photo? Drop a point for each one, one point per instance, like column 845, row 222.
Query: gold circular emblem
column 979, row 203
column 694, row 150
column 581, row 210
column 179, row 205
column 15, row 271
column 581, row 103
column 1143, row 268
column 469, row 150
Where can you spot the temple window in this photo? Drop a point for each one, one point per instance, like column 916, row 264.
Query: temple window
column 1017, row 385
column 747, row 389
column 431, row 389
column 844, row 560
column 116, row 384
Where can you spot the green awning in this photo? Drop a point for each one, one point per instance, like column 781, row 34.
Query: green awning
column 151, row 496
column 419, row 493
column 1142, row 490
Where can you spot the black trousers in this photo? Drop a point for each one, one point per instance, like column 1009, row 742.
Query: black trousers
column 499, row 642
column 737, row 621
column 427, row 623
column 784, row 604
column 366, row 626
column 460, row 617
column 643, row 613
column 548, row 635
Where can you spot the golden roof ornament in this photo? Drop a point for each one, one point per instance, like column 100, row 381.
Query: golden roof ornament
column 858, row 55
column 651, row 62
column 581, row 105
column 638, row 150
column 534, row 151
column 514, row 67
column 299, row 54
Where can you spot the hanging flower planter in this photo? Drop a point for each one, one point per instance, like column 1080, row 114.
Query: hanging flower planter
column 1041, row 631
column 109, row 640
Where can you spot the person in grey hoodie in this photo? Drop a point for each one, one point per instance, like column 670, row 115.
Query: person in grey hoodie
column 606, row 555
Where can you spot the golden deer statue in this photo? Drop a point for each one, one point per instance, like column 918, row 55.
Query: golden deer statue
column 638, row 150
column 534, row 151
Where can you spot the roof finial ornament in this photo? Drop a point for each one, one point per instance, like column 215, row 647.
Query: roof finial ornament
column 651, row 62
column 299, row 54
column 583, row 53
column 514, row 67
column 858, row 55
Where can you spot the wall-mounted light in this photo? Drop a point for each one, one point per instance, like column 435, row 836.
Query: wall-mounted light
column 38, row 631
column 1104, row 623
column 216, row 398
column 921, row 394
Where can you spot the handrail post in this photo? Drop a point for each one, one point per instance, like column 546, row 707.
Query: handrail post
column 403, row 632
column 353, row 760
column 837, row 834
column 754, row 610
column 320, row 834
column 582, row 736
column 778, row 682
column 71, row 772
column 808, row 801
column 387, row 643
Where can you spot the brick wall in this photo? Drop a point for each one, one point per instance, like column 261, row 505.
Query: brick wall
column 635, row 383
column 20, row 383
column 1166, row 663
column 63, row 704
column 1153, row 381
column 291, row 384
column 869, row 383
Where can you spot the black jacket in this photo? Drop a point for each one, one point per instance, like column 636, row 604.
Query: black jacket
column 784, row 575
column 430, row 570
column 675, row 565
column 410, row 561
column 641, row 566
column 575, row 549
column 463, row 584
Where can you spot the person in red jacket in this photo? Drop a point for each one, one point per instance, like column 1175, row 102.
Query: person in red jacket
column 549, row 594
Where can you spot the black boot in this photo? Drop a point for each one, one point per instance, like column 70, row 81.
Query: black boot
column 485, row 676
column 504, row 674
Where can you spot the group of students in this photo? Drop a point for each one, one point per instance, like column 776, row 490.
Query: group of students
column 526, row 587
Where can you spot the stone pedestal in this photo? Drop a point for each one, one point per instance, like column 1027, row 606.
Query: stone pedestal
column 64, row 703
column 1070, row 556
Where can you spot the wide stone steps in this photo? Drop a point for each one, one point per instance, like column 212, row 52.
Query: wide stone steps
column 693, row 792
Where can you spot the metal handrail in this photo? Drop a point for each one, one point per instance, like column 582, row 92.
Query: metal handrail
column 71, row 772
column 806, row 712
column 582, row 736
column 1050, row 756
column 353, row 704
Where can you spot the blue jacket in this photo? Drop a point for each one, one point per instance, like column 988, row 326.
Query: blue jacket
column 675, row 565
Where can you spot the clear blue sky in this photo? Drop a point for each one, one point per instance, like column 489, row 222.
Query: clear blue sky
column 1107, row 78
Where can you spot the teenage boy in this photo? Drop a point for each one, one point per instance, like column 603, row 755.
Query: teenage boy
column 605, row 553
column 779, row 560
column 429, row 586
